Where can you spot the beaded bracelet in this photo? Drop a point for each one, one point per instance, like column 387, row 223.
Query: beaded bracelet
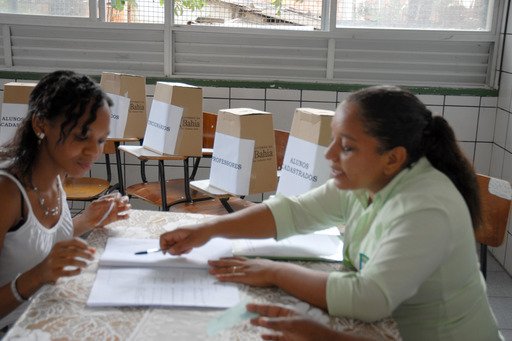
column 15, row 291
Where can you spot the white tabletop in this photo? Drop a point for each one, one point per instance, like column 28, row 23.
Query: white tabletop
column 59, row 311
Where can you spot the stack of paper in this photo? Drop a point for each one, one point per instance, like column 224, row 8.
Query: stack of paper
column 314, row 247
column 154, row 279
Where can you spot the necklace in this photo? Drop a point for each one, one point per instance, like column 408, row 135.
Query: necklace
column 42, row 203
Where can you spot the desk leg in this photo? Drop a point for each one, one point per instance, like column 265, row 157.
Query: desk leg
column 186, row 180
column 227, row 206
column 163, row 189
column 119, row 168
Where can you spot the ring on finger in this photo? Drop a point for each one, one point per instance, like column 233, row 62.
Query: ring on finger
column 233, row 269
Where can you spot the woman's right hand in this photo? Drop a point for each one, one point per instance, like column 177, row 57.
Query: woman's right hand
column 183, row 240
column 67, row 258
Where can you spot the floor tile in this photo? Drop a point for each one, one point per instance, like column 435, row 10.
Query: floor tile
column 502, row 308
column 499, row 284
column 507, row 334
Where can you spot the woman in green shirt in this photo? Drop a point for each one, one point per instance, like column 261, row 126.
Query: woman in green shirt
column 409, row 201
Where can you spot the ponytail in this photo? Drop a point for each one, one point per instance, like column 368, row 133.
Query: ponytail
column 441, row 149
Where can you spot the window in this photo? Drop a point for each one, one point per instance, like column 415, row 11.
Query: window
column 72, row 8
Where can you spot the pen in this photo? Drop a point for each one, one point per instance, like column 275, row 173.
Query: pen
column 145, row 252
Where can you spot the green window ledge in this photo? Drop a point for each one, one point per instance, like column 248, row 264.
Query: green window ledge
column 420, row 90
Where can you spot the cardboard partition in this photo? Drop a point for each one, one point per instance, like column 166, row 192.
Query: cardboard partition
column 175, row 123
column 305, row 166
column 128, row 92
column 244, row 154
column 14, row 108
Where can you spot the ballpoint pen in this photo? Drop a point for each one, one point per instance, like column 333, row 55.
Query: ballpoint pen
column 145, row 252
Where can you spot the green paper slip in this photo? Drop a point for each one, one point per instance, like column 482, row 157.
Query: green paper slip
column 229, row 318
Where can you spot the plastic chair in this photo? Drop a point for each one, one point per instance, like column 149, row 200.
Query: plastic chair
column 495, row 196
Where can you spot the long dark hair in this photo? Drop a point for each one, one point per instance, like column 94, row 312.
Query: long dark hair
column 60, row 93
column 396, row 117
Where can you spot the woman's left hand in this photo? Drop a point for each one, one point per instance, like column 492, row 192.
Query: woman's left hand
column 256, row 272
column 107, row 209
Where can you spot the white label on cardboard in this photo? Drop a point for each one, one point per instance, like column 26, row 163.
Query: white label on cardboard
column 232, row 164
column 163, row 127
column 304, row 167
column 12, row 115
column 118, row 115
column 500, row 188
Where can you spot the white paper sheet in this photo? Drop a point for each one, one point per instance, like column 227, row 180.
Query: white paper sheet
column 300, row 247
column 304, row 167
column 163, row 127
column 119, row 115
column 12, row 115
column 160, row 287
column 155, row 279
column 121, row 252
column 232, row 164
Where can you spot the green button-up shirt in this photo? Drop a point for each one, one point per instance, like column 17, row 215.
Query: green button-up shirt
column 412, row 251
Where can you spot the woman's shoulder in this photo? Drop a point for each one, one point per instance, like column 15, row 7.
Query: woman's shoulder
column 10, row 198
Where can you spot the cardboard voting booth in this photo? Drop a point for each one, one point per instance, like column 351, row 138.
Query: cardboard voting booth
column 128, row 114
column 14, row 108
column 175, row 123
column 244, row 154
column 304, row 164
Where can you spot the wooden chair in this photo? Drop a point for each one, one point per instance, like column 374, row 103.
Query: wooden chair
column 87, row 188
column 495, row 196
column 229, row 202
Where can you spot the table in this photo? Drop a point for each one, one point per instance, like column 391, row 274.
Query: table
column 59, row 311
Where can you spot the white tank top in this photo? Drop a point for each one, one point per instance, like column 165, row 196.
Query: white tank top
column 31, row 242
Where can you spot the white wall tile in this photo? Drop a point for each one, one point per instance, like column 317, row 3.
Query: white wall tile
column 489, row 102
column 506, row 172
column 150, row 89
column 283, row 113
column 216, row 92
column 471, row 101
column 468, row 148
column 505, row 91
column 342, row 96
column 215, row 104
column 247, row 93
column 431, row 99
column 283, row 94
column 499, row 252
column 437, row 110
column 463, row 121
column 253, row 104
column 496, row 161
column 500, row 128
column 321, row 96
column 508, row 257
column 3, row 81
column 486, row 121
column 483, row 153
column 319, row 105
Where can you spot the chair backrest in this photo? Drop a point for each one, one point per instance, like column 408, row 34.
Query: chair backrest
column 209, row 126
column 281, row 137
column 495, row 196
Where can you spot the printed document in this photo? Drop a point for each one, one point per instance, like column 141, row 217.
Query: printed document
column 154, row 279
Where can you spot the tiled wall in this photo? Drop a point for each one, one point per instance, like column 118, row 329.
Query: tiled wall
column 501, row 162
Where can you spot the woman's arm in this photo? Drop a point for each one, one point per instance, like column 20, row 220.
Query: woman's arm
column 252, row 222
column 101, row 212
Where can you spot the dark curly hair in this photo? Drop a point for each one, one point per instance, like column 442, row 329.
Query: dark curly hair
column 60, row 93
column 396, row 117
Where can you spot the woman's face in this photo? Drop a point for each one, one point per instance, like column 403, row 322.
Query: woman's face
column 354, row 156
column 77, row 153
